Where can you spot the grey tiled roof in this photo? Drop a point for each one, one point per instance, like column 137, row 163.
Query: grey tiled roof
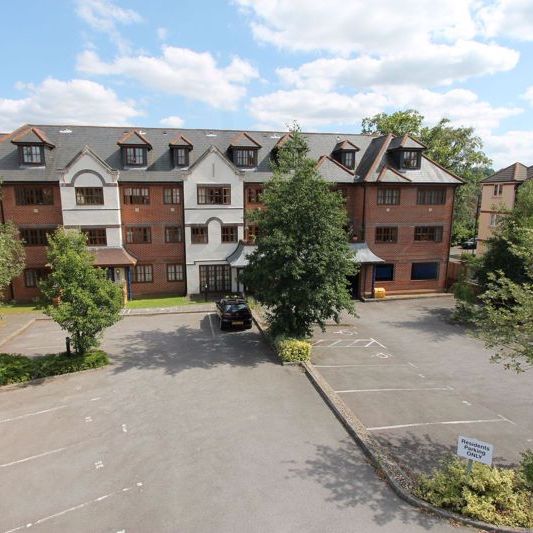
column 405, row 142
column 102, row 140
column 333, row 171
column 514, row 172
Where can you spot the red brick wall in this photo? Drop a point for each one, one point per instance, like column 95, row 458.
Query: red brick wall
column 30, row 215
column 158, row 254
column 406, row 216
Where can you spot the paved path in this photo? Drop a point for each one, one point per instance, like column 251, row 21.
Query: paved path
column 191, row 430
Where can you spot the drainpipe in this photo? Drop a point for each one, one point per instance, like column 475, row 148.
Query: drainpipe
column 449, row 241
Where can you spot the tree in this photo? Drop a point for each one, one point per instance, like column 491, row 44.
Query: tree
column 78, row 296
column 11, row 255
column 504, row 318
column 457, row 149
column 302, row 260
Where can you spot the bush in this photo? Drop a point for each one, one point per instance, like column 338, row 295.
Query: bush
column 18, row 368
column 526, row 467
column 293, row 350
column 490, row 494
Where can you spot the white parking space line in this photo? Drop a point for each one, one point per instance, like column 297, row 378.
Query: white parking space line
column 391, row 390
column 347, row 343
column 74, row 508
column 44, row 454
column 362, row 364
column 32, row 414
column 446, row 423
column 211, row 326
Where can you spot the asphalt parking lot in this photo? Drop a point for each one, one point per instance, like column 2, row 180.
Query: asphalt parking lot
column 190, row 430
column 417, row 382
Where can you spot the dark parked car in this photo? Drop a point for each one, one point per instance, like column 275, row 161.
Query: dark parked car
column 234, row 312
column 470, row 244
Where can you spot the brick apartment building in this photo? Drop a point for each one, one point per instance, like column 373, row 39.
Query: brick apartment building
column 165, row 209
column 498, row 193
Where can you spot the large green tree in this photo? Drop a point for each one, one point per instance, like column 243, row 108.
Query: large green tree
column 457, row 149
column 78, row 296
column 11, row 255
column 302, row 260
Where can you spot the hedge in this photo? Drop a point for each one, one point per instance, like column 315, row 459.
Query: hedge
column 293, row 350
column 19, row 368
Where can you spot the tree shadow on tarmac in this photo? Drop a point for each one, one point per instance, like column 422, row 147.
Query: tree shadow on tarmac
column 182, row 347
column 352, row 482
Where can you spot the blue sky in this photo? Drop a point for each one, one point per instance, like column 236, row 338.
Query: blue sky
column 263, row 63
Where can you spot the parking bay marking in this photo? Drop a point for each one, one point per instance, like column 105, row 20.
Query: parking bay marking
column 393, row 390
column 350, row 343
column 20, row 417
column 445, row 423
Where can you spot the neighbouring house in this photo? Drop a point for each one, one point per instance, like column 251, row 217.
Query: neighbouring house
column 498, row 193
column 165, row 210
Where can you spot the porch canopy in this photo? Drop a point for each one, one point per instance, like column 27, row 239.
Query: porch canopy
column 239, row 257
column 116, row 257
column 364, row 255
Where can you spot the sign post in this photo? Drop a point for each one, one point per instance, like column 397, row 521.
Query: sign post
column 474, row 450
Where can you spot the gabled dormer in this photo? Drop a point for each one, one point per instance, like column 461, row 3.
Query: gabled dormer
column 243, row 151
column 32, row 145
column 277, row 147
column 344, row 153
column 134, row 147
column 180, row 148
column 406, row 153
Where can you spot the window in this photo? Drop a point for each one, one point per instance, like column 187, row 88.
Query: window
column 35, row 236
column 348, row 158
column 199, row 235
column 424, row 271
column 89, row 196
column 208, row 195
column 32, row 276
column 494, row 219
column 428, row 233
column 143, row 274
column 173, row 234
column 387, row 234
column 410, row 160
column 134, row 156
column 171, row 195
column 217, row 278
column 245, row 157
column 174, row 272
column 136, row 196
column 251, row 233
column 431, row 196
column 138, row 235
column 34, row 195
column 384, row 272
column 254, row 194
column 229, row 233
column 95, row 236
column 181, row 157
column 498, row 189
column 388, row 196
column 31, row 154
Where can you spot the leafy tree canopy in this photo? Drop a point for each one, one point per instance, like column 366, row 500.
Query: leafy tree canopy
column 78, row 296
column 12, row 255
column 302, row 259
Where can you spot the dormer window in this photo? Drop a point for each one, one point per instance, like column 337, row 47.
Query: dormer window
column 410, row 160
column 344, row 153
column 134, row 146
column 243, row 150
column 31, row 143
column 180, row 149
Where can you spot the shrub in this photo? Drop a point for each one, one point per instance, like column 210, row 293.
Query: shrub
column 293, row 350
column 491, row 494
column 18, row 368
column 526, row 468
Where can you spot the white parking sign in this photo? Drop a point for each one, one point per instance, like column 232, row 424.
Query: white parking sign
column 475, row 450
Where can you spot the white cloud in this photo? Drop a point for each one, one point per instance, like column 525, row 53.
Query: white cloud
column 317, row 109
column 66, row 102
column 162, row 34
column 510, row 147
column 528, row 95
column 508, row 18
column 357, row 26
column 180, row 71
column 105, row 16
column 432, row 66
column 172, row 121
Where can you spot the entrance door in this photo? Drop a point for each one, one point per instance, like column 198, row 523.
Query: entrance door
column 215, row 278
column 353, row 286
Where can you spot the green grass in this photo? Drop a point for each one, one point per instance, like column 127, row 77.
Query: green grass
column 162, row 301
column 14, row 309
column 19, row 368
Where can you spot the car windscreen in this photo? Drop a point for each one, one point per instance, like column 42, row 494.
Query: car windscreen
column 234, row 308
